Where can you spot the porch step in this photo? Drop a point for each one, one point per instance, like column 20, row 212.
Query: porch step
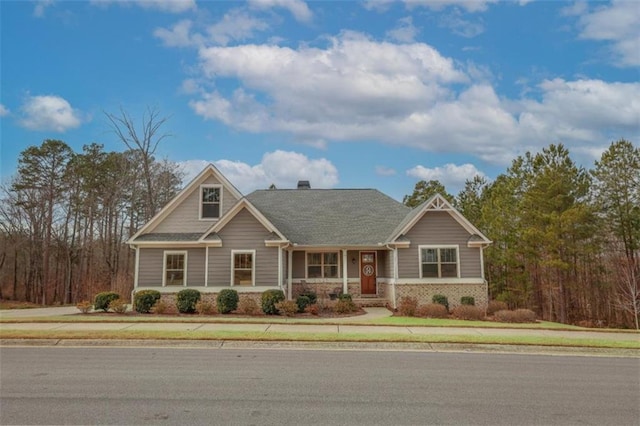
column 370, row 302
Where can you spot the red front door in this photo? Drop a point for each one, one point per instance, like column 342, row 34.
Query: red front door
column 368, row 272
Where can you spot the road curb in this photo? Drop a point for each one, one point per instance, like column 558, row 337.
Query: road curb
column 346, row 346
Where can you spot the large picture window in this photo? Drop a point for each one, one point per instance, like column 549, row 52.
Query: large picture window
column 243, row 267
column 438, row 262
column 175, row 268
column 322, row 265
column 210, row 198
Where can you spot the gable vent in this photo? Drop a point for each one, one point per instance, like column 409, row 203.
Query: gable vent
column 304, row 184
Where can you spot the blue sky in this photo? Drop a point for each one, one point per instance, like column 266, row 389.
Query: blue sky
column 345, row 94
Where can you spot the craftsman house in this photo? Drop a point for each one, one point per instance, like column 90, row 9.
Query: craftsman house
column 356, row 241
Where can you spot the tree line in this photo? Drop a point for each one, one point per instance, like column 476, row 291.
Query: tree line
column 566, row 240
column 65, row 216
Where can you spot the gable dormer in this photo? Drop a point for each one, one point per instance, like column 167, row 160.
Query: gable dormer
column 201, row 203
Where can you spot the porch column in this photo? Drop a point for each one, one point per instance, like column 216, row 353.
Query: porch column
column 280, row 266
column 206, row 266
column 395, row 276
column 289, row 273
column 136, row 272
column 345, row 279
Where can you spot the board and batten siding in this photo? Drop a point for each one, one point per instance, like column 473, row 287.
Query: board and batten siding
column 151, row 267
column 243, row 232
column 438, row 228
column 186, row 216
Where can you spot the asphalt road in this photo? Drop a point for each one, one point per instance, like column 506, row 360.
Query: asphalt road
column 110, row 385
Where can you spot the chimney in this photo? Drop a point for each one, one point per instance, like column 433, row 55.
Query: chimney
column 304, row 184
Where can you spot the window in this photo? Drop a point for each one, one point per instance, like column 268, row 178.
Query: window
column 175, row 271
column 322, row 265
column 210, row 201
column 243, row 267
column 439, row 262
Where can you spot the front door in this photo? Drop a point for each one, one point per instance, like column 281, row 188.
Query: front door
column 368, row 272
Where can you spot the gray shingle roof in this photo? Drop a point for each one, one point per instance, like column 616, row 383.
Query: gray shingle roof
column 331, row 217
column 169, row 236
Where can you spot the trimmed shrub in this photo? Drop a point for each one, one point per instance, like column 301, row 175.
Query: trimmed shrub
column 432, row 310
column 269, row 300
column 227, row 300
column 248, row 306
column 144, row 300
column 313, row 297
column 313, row 309
column 118, row 306
column 345, row 296
column 495, row 306
column 468, row 312
column 204, row 307
column 407, row 306
column 441, row 299
column 84, row 306
column 468, row 301
column 344, row 306
column 287, row 307
column 302, row 302
column 102, row 300
column 186, row 300
column 517, row 316
column 160, row 307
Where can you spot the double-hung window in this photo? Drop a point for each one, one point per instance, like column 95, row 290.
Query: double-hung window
column 210, row 201
column 243, row 267
column 174, row 268
column 439, row 262
column 322, row 265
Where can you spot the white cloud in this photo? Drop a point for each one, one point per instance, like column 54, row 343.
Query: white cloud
column 582, row 110
column 169, row 6
column 452, row 176
column 460, row 26
column 282, row 168
column 178, row 36
column 405, row 31
column 4, row 111
column 234, row 26
column 40, row 8
column 468, row 5
column 385, row 171
column 297, row 8
column 618, row 23
column 51, row 113
column 407, row 94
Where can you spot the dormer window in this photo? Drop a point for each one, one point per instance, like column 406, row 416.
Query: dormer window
column 210, row 201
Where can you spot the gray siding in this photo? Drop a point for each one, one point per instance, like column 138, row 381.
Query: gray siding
column 353, row 269
column 151, row 266
column 438, row 228
column 243, row 232
column 298, row 264
column 186, row 216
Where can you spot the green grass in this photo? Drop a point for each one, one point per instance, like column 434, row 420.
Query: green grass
column 317, row 337
column 275, row 319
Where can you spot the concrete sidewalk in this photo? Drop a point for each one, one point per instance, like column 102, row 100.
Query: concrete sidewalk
column 319, row 327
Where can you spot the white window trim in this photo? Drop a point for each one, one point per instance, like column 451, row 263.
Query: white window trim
column 253, row 266
column 306, row 264
column 209, row 185
column 164, row 266
column 439, row 246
